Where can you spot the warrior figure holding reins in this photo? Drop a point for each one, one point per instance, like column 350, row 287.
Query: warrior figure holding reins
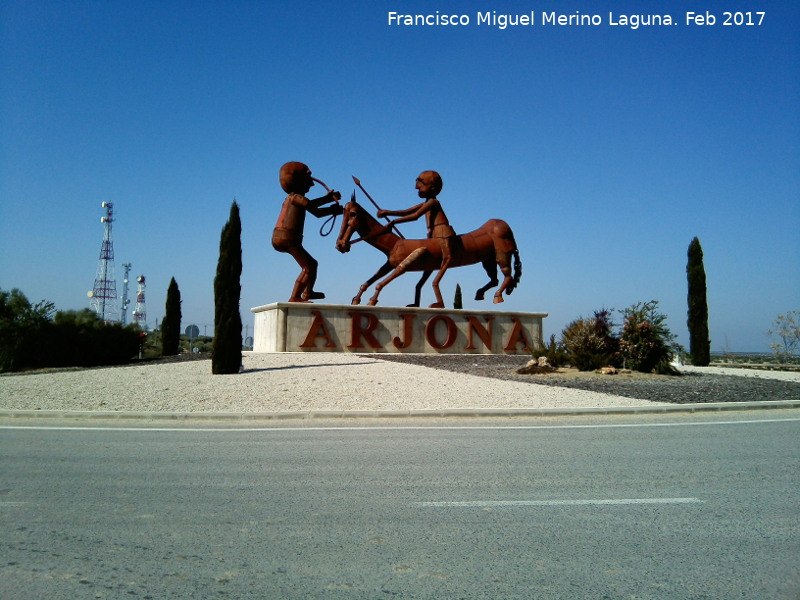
column 296, row 180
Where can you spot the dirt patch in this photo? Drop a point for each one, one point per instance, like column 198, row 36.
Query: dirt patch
column 575, row 374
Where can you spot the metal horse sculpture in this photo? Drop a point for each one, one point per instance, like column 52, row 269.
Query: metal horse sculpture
column 492, row 245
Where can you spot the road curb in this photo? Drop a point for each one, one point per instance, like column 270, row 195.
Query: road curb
column 394, row 414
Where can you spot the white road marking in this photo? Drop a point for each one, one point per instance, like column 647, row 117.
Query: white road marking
column 398, row 428
column 595, row 502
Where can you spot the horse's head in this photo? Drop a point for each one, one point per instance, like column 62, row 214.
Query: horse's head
column 355, row 219
column 350, row 224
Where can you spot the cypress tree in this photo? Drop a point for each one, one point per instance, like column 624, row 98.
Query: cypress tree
column 226, row 356
column 699, row 342
column 171, row 325
column 458, row 302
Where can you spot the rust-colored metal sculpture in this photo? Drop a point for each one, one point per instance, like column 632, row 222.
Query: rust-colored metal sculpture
column 429, row 184
column 492, row 244
column 296, row 180
column 425, row 274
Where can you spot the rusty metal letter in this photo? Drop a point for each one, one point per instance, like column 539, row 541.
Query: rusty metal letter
column 474, row 325
column 318, row 329
column 408, row 332
column 516, row 337
column 357, row 331
column 430, row 332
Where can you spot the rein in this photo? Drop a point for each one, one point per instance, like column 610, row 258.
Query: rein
column 330, row 220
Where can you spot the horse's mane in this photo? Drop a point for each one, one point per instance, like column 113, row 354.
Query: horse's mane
column 373, row 222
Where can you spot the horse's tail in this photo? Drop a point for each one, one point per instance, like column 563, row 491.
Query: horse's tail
column 517, row 273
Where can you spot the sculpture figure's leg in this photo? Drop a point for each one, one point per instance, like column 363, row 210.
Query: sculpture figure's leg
column 380, row 273
column 418, row 289
column 446, row 258
column 304, row 284
column 435, row 285
column 491, row 270
column 399, row 270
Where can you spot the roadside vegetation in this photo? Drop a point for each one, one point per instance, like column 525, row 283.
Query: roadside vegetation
column 785, row 333
column 640, row 342
column 755, row 360
column 34, row 336
column 643, row 342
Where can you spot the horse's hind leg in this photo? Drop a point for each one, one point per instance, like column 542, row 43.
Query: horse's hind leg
column 491, row 271
column 399, row 270
column 505, row 266
column 365, row 286
column 418, row 289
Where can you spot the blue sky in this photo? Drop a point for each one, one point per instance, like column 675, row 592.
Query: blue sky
column 606, row 148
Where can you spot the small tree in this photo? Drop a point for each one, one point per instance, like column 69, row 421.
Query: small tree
column 697, row 321
column 171, row 325
column 226, row 357
column 787, row 330
column 22, row 325
column 458, row 302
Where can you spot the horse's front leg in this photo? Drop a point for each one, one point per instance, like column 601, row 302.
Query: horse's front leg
column 365, row 286
column 399, row 270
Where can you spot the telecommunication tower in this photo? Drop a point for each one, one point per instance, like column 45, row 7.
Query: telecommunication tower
column 139, row 312
column 103, row 297
column 125, row 302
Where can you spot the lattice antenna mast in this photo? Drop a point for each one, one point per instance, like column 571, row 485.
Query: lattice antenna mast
column 139, row 312
column 104, row 295
column 125, row 301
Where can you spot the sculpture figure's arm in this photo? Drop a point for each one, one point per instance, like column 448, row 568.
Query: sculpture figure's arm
column 313, row 206
column 409, row 214
column 413, row 213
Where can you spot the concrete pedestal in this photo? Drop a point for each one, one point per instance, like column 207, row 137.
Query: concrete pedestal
column 299, row 327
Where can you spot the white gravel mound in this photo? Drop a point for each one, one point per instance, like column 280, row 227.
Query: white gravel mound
column 285, row 382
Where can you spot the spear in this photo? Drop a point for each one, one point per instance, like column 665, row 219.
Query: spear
column 375, row 204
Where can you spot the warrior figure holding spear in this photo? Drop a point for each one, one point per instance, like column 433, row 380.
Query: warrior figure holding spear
column 296, row 180
column 428, row 185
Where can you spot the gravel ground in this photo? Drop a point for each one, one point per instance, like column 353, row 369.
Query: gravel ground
column 302, row 382
column 697, row 385
column 283, row 383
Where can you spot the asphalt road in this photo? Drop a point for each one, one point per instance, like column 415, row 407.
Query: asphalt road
column 675, row 506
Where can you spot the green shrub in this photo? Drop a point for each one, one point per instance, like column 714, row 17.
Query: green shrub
column 83, row 339
column 151, row 345
column 646, row 343
column 604, row 329
column 554, row 352
column 584, row 347
column 591, row 343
